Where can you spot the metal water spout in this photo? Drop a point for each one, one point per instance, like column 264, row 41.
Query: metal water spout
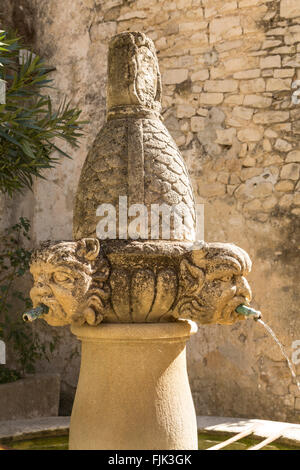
column 134, row 292
column 248, row 312
column 35, row 313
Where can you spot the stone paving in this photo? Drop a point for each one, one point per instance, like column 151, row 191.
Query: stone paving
column 262, row 428
column 36, row 427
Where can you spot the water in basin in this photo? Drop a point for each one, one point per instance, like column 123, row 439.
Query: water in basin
column 204, row 442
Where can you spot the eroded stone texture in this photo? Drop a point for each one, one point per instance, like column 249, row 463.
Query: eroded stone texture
column 71, row 279
column 133, row 154
column 137, row 281
column 140, row 282
column 213, row 283
column 133, row 393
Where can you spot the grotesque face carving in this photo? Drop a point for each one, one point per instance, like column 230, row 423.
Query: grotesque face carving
column 213, row 284
column 69, row 278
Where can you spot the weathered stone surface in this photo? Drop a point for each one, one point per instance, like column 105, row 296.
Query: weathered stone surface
column 88, row 281
column 236, row 64
column 200, row 75
column 225, row 136
column 71, row 280
column 138, row 282
column 296, row 199
column 296, row 211
column 292, row 38
column 256, row 85
column 224, row 28
column 212, row 189
column 293, row 156
column 249, row 162
column 134, row 357
column 262, row 429
column 282, row 145
column 21, row 429
column 250, row 135
column 270, row 62
column 126, row 157
column 269, row 203
column 254, row 187
column 32, row 397
column 253, row 206
column 271, row 43
column 284, row 186
column 289, row 8
column 211, row 98
column 185, row 111
column 257, row 101
column 270, row 117
column 290, row 171
column 171, row 77
column 242, row 113
column 278, row 84
column 234, row 99
column 197, row 123
column 286, row 201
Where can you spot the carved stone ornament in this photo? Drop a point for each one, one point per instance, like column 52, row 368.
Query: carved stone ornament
column 133, row 155
column 71, row 279
column 136, row 281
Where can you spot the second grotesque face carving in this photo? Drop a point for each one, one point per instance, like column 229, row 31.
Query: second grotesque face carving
column 213, row 284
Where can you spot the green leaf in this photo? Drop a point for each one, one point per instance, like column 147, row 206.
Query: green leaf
column 28, row 122
column 6, row 136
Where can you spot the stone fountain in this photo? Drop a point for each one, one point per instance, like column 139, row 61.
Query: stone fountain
column 133, row 300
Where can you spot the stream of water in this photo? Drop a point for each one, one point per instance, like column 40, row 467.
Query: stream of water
column 272, row 334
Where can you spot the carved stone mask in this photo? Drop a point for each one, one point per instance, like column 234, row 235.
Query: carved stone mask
column 213, row 283
column 69, row 278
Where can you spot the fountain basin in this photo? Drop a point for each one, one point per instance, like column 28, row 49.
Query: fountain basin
column 52, row 433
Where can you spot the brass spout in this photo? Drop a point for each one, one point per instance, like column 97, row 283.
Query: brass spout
column 35, row 313
column 248, row 312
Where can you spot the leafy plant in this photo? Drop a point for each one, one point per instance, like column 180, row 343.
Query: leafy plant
column 29, row 127
column 30, row 130
column 14, row 262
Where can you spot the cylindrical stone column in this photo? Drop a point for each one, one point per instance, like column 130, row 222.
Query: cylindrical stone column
column 133, row 390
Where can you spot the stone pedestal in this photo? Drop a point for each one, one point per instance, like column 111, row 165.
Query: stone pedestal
column 133, row 390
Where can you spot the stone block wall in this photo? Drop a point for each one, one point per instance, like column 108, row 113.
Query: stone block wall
column 230, row 71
